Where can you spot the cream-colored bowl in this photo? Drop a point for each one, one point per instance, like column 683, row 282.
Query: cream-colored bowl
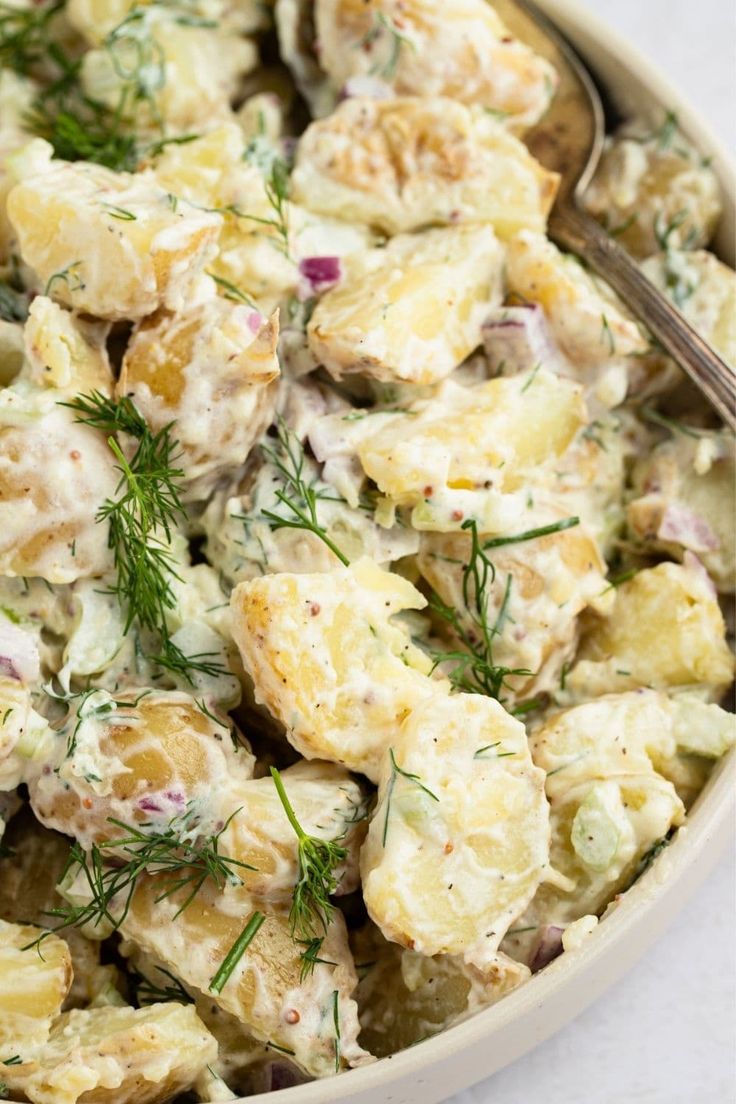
column 461, row 1056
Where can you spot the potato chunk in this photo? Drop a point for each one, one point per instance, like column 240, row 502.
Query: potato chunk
column 211, row 368
column 704, row 289
column 587, row 320
column 610, row 768
column 329, row 663
column 685, row 500
column 454, row 48
column 33, row 986
column 116, row 1056
column 472, row 452
column 404, row 997
column 143, row 757
column 54, row 476
column 109, row 244
column 652, row 185
column 665, row 630
column 192, row 63
column 23, row 731
column 64, row 352
column 28, row 875
column 260, row 249
column 412, row 311
column 410, row 162
column 160, row 764
column 459, row 840
column 266, row 987
column 542, row 585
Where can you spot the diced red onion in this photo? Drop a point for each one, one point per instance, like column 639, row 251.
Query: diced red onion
column 549, row 946
column 681, row 525
column 318, row 274
column 518, row 339
column 19, row 658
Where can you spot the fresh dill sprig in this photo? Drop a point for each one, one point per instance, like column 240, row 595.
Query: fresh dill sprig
column 141, row 520
column 188, row 864
column 671, row 424
column 532, row 534
column 382, row 22
column 317, row 860
column 336, row 1024
column 236, row 952
column 24, row 34
column 230, row 291
column 13, row 303
column 149, row 993
column 277, row 193
column 298, row 496
column 474, row 670
column 396, row 770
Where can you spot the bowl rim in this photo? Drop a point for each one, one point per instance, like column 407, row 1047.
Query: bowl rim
column 544, row 1004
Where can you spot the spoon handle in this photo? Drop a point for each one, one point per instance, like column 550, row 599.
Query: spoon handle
column 576, row 232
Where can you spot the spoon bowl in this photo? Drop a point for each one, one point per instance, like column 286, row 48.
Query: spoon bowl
column 569, row 140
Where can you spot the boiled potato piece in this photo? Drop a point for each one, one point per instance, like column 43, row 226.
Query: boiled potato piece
column 665, row 630
column 261, row 249
column 116, row 1056
column 63, row 352
column 459, row 49
column 329, row 663
column 472, row 452
column 541, row 584
column 212, row 368
column 54, row 476
column 109, row 244
column 685, row 500
column 159, row 763
column 412, row 311
column 404, row 997
column 265, row 990
column 588, row 322
column 136, row 757
column 242, row 544
column 95, row 19
column 405, row 163
column 610, row 768
column 28, row 877
column 33, row 987
column 24, row 733
column 704, row 289
column 459, row 839
column 652, row 185
column 192, row 65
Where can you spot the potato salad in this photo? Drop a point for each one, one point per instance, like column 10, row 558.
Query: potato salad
column 365, row 567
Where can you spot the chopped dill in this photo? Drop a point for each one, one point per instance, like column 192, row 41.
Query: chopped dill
column 397, row 771
column 311, row 908
column 236, row 952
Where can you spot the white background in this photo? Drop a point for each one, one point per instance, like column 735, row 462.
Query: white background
column 665, row 1034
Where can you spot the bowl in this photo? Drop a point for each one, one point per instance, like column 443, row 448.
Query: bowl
column 462, row 1055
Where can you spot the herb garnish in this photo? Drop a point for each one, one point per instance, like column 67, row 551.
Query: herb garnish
column 236, row 952
column 382, row 22
column 141, row 521
column 317, row 860
column 533, row 534
column 396, row 770
column 298, row 496
column 149, row 993
column 475, row 671
column 188, row 862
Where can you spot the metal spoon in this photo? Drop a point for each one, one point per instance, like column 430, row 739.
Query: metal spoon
column 569, row 140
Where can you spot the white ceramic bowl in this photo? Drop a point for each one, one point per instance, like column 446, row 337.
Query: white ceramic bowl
column 461, row 1056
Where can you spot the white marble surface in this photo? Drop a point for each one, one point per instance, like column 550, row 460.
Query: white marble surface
column 665, row 1034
